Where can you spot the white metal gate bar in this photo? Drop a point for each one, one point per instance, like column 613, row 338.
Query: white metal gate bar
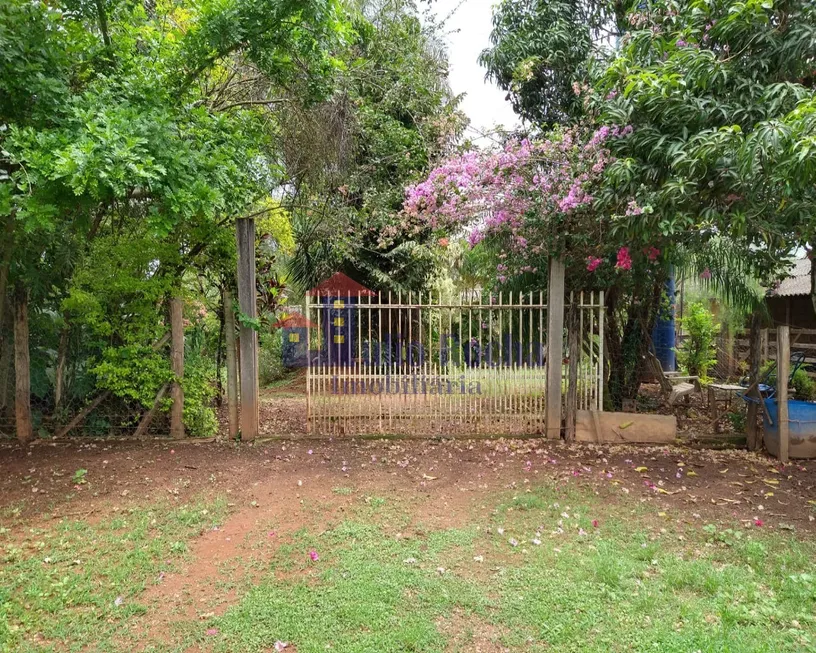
column 431, row 364
column 591, row 362
column 427, row 364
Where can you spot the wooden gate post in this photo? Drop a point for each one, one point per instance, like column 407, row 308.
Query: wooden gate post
column 555, row 348
column 247, row 300
column 782, row 373
column 755, row 356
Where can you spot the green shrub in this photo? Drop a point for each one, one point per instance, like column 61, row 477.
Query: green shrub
column 803, row 385
column 133, row 372
column 270, row 359
column 199, row 390
column 698, row 352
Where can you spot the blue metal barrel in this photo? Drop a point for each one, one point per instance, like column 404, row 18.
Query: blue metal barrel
column 664, row 333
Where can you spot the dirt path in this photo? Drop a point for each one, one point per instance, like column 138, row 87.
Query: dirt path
column 276, row 488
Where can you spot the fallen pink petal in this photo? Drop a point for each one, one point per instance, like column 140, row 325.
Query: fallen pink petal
column 313, row 555
column 212, row 631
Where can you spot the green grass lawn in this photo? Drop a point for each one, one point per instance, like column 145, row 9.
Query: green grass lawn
column 75, row 583
column 531, row 571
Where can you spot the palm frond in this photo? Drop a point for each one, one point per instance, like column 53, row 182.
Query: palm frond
column 729, row 270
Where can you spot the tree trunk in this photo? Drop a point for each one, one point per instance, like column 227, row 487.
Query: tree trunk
column 627, row 345
column 751, row 426
column 59, row 373
column 232, row 363
column 6, row 360
column 22, row 367
column 177, row 358
column 5, row 262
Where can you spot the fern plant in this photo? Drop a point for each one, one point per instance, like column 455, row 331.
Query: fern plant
column 698, row 352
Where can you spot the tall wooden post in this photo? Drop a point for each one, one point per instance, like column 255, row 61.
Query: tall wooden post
column 755, row 355
column 555, row 348
column 232, row 364
column 247, row 299
column 177, row 360
column 782, row 373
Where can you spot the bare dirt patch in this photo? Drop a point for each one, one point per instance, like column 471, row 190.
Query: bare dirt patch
column 275, row 488
column 468, row 633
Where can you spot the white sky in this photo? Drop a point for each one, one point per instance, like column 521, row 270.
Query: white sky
column 468, row 34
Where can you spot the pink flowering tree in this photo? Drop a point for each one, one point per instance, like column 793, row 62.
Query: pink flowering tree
column 530, row 201
column 537, row 199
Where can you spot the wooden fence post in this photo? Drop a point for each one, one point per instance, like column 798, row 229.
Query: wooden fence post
column 755, row 355
column 232, row 364
column 782, row 373
column 555, row 348
column 247, row 299
column 177, row 358
column 22, row 368
column 765, row 354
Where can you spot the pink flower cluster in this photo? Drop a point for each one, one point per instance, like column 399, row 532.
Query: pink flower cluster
column 512, row 193
column 624, row 259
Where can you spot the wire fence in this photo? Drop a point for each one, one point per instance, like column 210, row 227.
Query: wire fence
column 79, row 386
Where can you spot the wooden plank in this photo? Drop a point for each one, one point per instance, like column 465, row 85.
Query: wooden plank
column 232, row 363
column 177, row 361
column 783, row 371
column 247, row 300
column 596, row 426
column 555, row 348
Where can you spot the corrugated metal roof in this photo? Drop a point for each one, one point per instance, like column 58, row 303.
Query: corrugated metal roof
column 797, row 283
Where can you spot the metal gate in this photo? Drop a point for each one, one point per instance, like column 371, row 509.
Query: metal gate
column 437, row 364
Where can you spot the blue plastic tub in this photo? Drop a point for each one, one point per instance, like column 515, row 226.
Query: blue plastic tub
column 802, row 421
